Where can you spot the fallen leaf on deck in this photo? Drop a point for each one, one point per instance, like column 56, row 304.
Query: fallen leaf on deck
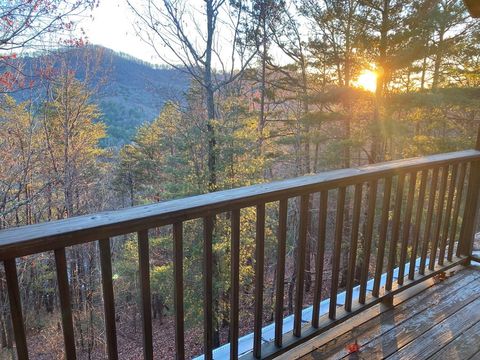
column 441, row 276
column 353, row 348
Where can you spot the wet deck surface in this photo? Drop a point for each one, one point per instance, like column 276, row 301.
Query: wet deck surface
column 440, row 322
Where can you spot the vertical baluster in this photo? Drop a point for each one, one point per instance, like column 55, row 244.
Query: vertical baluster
column 144, row 270
column 470, row 212
column 372, row 201
column 467, row 232
column 208, row 287
column 336, row 252
column 259, row 264
column 302, row 242
column 178, row 289
column 16, row 308
column 456, row 211
column 64, row 292
column 465, row 209
column 406, row 227
column 418, row 223
column 281, row 249
column 428, row 224
column 235, row 282
column 382, row 235
column 357, row 205
column 448, row 214
column 322, row 228
column 392, row 255
column 438, row 224
column 108, row 300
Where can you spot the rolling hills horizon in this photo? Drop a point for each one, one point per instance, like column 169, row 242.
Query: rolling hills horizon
column 129, row 91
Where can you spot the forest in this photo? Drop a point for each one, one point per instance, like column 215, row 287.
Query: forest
column 276, row 89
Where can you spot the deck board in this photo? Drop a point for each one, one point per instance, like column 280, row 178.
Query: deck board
column 441, row 334
column 442, row 320
column 464, row 346
column 476, row 356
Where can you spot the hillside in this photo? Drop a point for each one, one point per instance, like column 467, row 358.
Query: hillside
column 135, row 94
column 130, row 91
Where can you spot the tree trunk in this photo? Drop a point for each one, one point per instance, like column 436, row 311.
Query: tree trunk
column 210, row 99
column 438, row 60
column 377, row 138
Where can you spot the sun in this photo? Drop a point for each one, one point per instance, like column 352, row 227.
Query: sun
column 367, row 80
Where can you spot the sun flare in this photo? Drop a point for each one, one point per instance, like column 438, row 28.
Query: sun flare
column 367, row 80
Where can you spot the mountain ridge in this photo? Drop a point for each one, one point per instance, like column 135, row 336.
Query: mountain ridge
column 133, row 90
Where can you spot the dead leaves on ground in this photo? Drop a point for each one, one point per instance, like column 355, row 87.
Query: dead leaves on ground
column 442, row 276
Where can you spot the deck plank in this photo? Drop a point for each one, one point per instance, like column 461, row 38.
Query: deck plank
column 398, row 337
column 422, row 347
column 372, row 331
column 476, row 356
column 462, row 347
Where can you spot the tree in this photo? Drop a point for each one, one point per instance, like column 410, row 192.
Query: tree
column 27, row 24
column 451, row 23
column 338, row 41
column 20, row 152
column 72, row 137
column 165, row 28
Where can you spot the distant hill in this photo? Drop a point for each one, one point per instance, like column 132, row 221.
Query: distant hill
column 132, row 91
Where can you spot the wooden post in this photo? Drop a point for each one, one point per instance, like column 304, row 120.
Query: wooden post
column 467, row 233
column 477, row 145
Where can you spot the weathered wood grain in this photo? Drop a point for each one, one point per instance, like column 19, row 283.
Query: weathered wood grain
column 456, row 211
column 407, row 220
column 259, row 271
column 476, row 356
column 464, row 346
column 382, row 235
column 337, row 247
column 377, row 326
column 393, row 340
column 146, row 299
column 16, row 308
column 270, row 351
column 470, row 212
column 392, row 254
column 432, row 194
column 417, row 226
column 439, row 217
column 62, row 233
column 108, row 299
column 357, row 205
column 208, row 287
column 448, row 214
column 280, row 279
column 425, row 345
column 322, row 228
column 370, row 219
column 235, row 283
column 65, row 305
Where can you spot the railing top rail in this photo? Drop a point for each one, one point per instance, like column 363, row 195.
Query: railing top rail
column 48, row 236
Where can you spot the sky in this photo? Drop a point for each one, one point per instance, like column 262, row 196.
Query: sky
column 110, row 25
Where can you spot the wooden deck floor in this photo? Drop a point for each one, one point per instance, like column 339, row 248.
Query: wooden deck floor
column 442, row 321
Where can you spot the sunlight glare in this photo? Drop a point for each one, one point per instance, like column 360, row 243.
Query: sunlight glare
column 367, row 80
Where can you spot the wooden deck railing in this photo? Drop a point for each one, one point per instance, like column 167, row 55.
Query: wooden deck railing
column 440, row 182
